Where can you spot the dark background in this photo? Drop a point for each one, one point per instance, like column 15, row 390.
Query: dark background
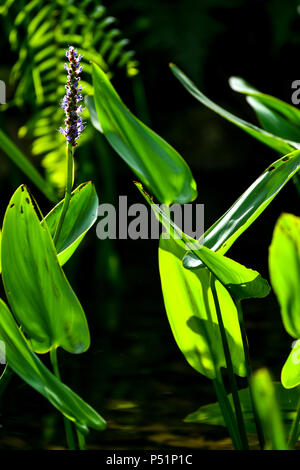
column 134, row 374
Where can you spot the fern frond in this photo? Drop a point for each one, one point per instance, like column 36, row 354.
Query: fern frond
column 40, row 33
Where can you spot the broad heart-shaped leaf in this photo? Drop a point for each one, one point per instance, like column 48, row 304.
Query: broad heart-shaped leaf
column 284, row 267
column 39, row 294
column 28, row 366
column 241, row 282
column 192, row 316
column 223, row 233
column 81, row 215
column 283, row 146
column 289, row 112
column 148, row 155
column 212, row 414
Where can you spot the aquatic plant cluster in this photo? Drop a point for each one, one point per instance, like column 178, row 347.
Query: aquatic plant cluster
column 73, row 121
column 204, row 306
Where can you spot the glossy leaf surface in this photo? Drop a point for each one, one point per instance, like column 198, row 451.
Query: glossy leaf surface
column 290, row 374
column 81, row 215
column 284, row 267
column 28, row 366
column 241, row 282
column 273, row 122
column 223, row 233
column 192, row 316
column 289, row 112
column 148, row 155
column 39, row 294
column 277, row 143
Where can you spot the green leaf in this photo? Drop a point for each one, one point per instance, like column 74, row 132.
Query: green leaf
column 223, row 233
column 38, row 292
column 81, row 215
column 24, row 164
column 281, row 145
column 290, row 374
column 27, row 365
column 147, row 154
column 90, row 102
column 241, row 282
column 192, row 315
column 273, row 122
column 212, row 414
column 284, row 267
column 291, row 113
column 268, row 410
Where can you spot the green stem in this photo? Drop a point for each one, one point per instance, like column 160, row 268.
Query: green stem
column 231, row 376
column 67, row 423
column 294, row 432
column 69, row 185
column 81, row 440
column 228, row 414
column 259, row 430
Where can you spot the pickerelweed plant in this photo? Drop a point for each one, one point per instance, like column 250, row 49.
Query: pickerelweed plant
column 203, row 289
column 46, row 312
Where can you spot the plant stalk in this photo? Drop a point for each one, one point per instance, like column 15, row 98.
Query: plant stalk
column 231, row 376
column 81, row 440
column 294, row 432
column 69, row 185
column 227, row 411
column 259, row 430
column 67, row 423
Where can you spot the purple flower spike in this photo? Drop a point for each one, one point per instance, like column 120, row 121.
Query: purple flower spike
column 74, row 124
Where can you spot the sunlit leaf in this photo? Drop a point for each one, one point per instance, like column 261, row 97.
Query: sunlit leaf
column 192, row 316
column 81, row 215
column 273, row 122
column 290, row 374
column 223, row 233
column 289, row 112
column 283, row 146
column 147, row 154
column 284, row 266
column 39, row 294
column 241, row 282
column 28, row 366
